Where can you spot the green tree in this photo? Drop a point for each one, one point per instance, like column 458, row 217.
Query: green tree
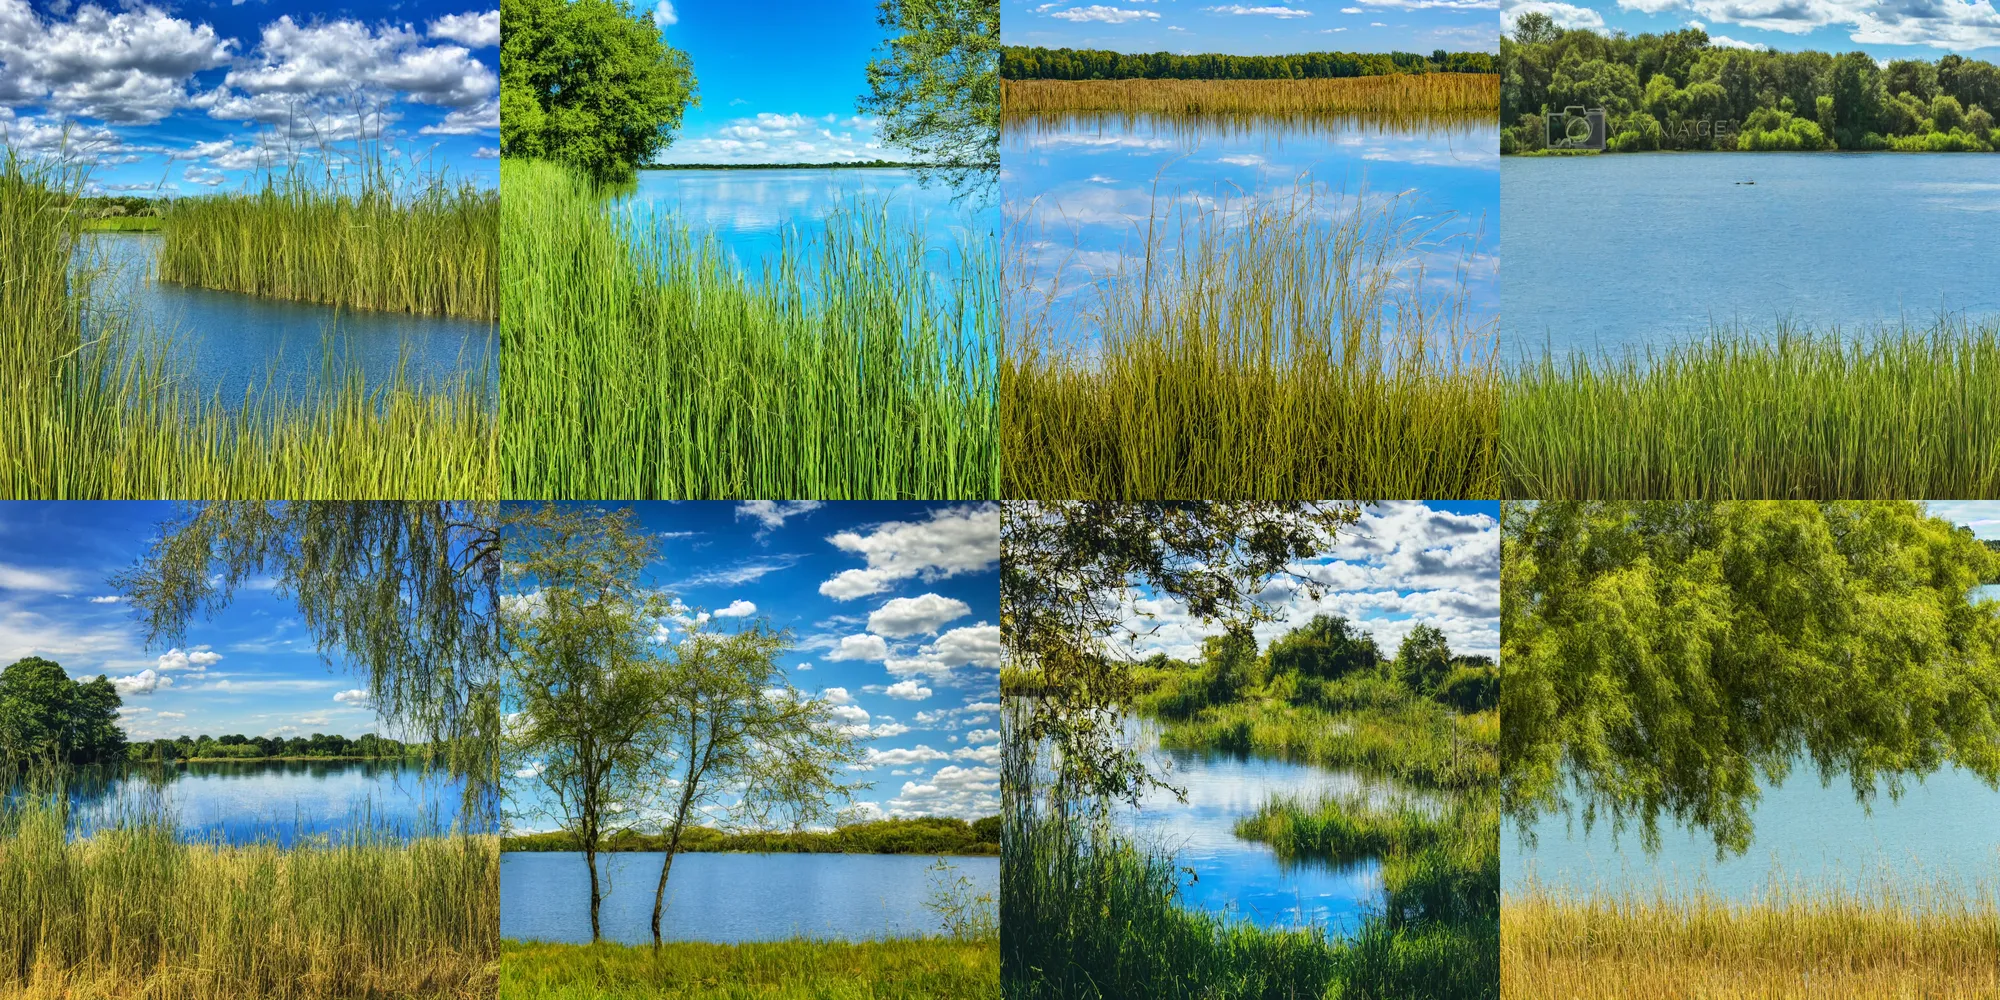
column 590, row 83
column 1423, row 660
column 47, row 718
column 1659, row 657
column 1326, row 647
column 938, row 87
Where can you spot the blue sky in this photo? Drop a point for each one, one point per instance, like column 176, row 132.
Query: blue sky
column 187, row 98
column 895, row 612
column 778, row 80
column 250, row 669
column 1982, row 516
column 1921, row 30
column 1253, row 27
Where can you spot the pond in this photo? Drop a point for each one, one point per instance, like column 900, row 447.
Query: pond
column 230, row 343
column 1625, row 251
column 1243, row 878
column 752, row 212
column 246, row 801
column 1079, row 190
column 729, row 898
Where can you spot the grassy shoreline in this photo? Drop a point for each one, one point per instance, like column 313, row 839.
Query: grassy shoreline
column 896, row 969
column 1386, row 94
column 890, row 836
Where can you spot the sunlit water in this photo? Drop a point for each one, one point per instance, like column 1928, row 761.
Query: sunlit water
column 1617, row 252
column 729, row 898
column 229, row 343
column 1079, row 191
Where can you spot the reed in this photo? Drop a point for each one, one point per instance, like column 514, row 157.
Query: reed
column 432, row 248
column 132, row 911
column 896, row 969
column 94, row 408
column 1280, row 347
column 639, row 362
column 1897, row 412
column 1936, row 942
column 1390, row 94
column 1425, row 746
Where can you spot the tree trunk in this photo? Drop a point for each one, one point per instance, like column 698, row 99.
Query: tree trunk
column 660, row 894
column 596, row 897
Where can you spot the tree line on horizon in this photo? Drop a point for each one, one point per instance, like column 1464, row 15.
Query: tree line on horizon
column 240, row 747
column 1679, row 90
column 1033, row 62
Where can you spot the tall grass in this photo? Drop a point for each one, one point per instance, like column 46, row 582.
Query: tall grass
column 1897, row 412
column 1398, row 94
column 1278, row 348
column 638, row 362
column 430, row 249
column 1891, row 940
column 1420, row 744
column 898, row 969
column 132, row 911
column 92, row 412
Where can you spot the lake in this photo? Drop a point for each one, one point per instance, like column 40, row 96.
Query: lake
column 752, row 212
column 728, row 898
column 230, row 343
column 246, row 801
column 1244, row 878
column 1078, row 192
column 1626, row 251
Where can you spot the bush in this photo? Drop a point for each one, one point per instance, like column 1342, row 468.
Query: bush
column 1470, row 689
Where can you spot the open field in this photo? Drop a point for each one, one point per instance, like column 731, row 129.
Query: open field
column 1901, row 412
column 134, row 912
column 646, row 365
column 901, row 969
column 1798, row 943
column 1273, row 355
column 88, row 415
column 1390, row 94
column 433, row 250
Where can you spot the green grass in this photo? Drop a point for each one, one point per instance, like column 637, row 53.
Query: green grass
column 639, row 362
column 134, row 912
column 928, row 835
column 1276, row 355
column 1418, row 743
column 123, row 224
column 87, row 417
column 432, row 249
column 898, row 969
column 1896, row 413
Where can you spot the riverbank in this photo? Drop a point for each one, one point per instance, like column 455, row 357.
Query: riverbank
column 1402, row 93
column 897, row 969
column 936, row 835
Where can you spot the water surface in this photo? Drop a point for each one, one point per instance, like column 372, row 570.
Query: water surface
column 729, row 898
column 245, row 801
column 1616, row 252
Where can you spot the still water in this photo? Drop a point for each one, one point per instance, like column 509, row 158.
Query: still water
column 1079, row 192
column 231, row 344
column 753, row 212
column 1618, row 252
column 727, row 898
column 244, row 801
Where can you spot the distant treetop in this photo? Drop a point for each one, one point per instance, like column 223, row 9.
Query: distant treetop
column 1021, row 62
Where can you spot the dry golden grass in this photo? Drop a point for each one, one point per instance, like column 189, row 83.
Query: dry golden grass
column 1400, row 94
column 1933, row 943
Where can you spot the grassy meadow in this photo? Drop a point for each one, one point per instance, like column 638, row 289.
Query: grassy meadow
column 133, row 912
column 1273, row 355
column 432, row 250
column 1402, row 93
column 642, row 363
column 95, row 408
column 1796, row 943
column 1897, row 412
column 899, row 969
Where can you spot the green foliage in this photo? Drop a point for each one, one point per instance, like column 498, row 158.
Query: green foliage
column 1418, row 742
column 1325, row 648
column 1023, row 62
column 367, row 746
column 1423, row 659
column 938, row 90
column 926, row 835
column 590, row 83
column 1470, row 688
column 896, row 969
column 1663, row 658
column 46, row 718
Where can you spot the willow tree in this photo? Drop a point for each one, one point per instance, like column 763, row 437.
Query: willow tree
column 402, row 593
column 937, row 88
column 1665, row 658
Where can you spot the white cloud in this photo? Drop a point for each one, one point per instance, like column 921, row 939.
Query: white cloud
column 35, row 580
column 988, row 755
column 171, row 715
column 1726, row 42
column 737, row 609
column 112, row 599
column 773, row 514
column 837, row 696
column 970, row 646
column 770, row 137
column 334, row 57
column 952, row 791
column 982, row 735
column 129, row 67
column 351, row 696
column 478, row 31
column 852, row 715
column 481, row 118
column 1108, row 15
column 907, row 616
column 142, row 683
column 955, row 540
column 860, row 647
column 904, row 756
column 1279, row 12
column 1563, row 14
column 908, row 690
column 663, row 14
column 196, row 660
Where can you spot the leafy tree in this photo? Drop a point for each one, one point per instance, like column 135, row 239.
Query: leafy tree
column 1327, row 648
column 590, row 83
column 938, row 88
column 1067, row 570
column 1660, row 656
column 1423, row 660
column 47, row 718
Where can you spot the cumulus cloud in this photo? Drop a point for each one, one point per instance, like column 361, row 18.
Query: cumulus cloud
column 1563, row 14
column 196, row 660
column 954, row 540
column 953, row 791
column 907, row 690
column 479, row 119
column 663, row 14
column 969, row 646
column 860, row 647
column 335, row 57
column 1279, row 12
column 129, row 67
column 481, row 30
column 112, row 599
column 737, row 609
column 907, row 616
column 773, row 514
column 142, row 683
column 771, row 137
column 351, row 696
column 1107, row 15
column 1726, row 42
column 904, row 756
